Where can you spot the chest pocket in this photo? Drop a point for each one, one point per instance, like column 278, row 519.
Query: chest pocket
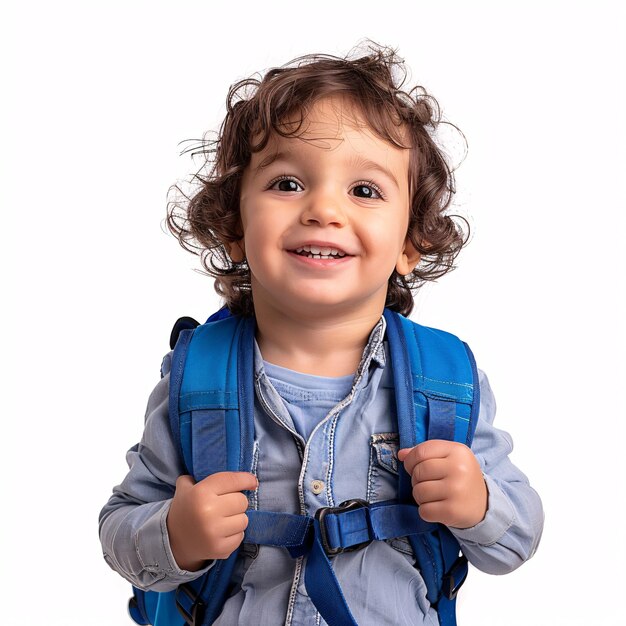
column 382, row 476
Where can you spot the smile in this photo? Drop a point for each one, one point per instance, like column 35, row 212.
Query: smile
column 319, row 252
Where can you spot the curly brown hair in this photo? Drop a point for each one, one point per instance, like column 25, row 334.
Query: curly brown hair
column 208, row 220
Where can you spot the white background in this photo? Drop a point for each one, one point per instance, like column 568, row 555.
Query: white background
column 96, row 98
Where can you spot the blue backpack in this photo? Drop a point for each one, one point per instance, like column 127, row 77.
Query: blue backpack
column 212, row 422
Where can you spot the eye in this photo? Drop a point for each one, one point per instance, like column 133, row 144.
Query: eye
column 285, row 183
column 367, row 190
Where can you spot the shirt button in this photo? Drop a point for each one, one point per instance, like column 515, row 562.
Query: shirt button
column 317, row 486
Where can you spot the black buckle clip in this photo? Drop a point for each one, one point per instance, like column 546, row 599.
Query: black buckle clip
column 454, row 579
column 197, row 608
column 344, row 507
column 137, row 612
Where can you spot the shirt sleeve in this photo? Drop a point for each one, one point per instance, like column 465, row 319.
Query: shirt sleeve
column 133, row 529
column 510, row 532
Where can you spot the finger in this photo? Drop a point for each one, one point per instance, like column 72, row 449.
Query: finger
column 231, row 482
column 433, row 449
column 408, row 457
column 434, row 511
column 420, row 453
column 402, row 453
column 232, row 504
column 428, row 492
column 233, row 525
column 229, row 545
column 433, row 469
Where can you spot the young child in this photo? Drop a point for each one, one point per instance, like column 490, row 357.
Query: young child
column 326, row 203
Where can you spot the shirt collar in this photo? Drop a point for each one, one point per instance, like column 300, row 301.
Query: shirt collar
column 379, row 349
column 374, row 348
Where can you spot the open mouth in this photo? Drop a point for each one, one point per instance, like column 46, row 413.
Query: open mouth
column 319, row 252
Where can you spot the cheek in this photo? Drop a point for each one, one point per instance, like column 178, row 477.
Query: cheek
column 260, row 246
column 386, row 238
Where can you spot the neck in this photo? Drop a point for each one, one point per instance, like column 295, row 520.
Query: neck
column 322, row 345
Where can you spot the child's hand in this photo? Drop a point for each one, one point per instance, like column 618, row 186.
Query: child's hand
column 207, row 520
column 447, row 481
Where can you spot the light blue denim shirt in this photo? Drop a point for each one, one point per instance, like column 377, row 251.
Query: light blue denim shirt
column 317, row 446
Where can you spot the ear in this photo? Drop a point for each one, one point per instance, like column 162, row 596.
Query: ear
column 408, row 258
column 236, row 250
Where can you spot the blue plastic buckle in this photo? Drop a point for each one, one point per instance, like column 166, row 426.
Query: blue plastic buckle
column 454, row 579
column 344, row 507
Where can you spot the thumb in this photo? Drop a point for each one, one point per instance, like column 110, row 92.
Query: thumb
column 230, row 482
column 184, row 483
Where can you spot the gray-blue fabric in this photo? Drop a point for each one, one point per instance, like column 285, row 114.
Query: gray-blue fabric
column 308, row 398
column 344, row 448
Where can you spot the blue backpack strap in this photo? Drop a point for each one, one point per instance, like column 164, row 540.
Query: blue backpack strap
column 212, row 424
column 212, row 376
column 441, row 382
column 350, row 526
column 437, row 397
column 214, row 408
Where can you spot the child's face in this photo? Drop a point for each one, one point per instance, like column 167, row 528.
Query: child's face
column 337, row 190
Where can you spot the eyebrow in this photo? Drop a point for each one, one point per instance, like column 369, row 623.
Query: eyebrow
column 270, row 158
column 368, row 164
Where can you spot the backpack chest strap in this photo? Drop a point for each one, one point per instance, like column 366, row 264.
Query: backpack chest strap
column 350, row 526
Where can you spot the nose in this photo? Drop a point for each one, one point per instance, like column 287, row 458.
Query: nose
column 323, row 208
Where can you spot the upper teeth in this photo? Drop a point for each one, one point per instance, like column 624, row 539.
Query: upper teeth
column 317, row 250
